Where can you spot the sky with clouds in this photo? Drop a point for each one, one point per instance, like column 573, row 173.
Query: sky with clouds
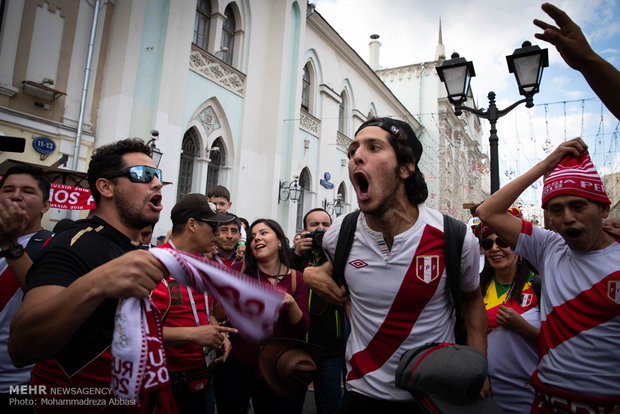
column 485, row 32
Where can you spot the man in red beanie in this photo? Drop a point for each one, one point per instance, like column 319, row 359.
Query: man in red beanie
column 580, row 306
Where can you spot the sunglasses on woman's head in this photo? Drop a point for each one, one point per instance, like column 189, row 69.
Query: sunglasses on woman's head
column 138, row 174
column 487, row 244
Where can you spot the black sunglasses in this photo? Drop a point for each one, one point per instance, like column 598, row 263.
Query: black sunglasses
column 487, row 244
column 138, row 174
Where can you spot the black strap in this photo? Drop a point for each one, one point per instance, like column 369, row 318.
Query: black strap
column 343, row 247
column 36, row 242
column 454, row 233
column 454, row 236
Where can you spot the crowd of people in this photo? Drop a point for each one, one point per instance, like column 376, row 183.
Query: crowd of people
column 541, row 307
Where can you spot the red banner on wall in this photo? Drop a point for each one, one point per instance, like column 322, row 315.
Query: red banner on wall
column 70, row 198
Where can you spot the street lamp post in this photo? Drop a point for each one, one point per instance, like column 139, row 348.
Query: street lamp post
column 526, row 63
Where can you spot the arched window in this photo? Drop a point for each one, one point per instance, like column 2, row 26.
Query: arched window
column 305, row 90
column 228, row 36
column 304, row 183
column 201, row 24
column 189, row 152
column 341, row 113
column 218, row 158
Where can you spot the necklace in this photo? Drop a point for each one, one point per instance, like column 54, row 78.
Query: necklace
column 276, row 277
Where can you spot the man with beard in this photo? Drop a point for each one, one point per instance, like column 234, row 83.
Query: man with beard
column 66, row 322
column 395, row 272
column 580, row 303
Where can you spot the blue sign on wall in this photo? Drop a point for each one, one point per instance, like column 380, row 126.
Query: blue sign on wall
column 44, row 145
column 325, row 182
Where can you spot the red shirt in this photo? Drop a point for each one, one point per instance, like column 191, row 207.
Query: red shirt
column 173, row 301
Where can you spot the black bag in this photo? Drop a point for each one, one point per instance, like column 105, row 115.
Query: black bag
column 193, row 381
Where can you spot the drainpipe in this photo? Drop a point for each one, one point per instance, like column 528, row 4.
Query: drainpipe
column 89, row 59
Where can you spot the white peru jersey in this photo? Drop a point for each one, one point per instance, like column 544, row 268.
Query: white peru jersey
column 399, row 298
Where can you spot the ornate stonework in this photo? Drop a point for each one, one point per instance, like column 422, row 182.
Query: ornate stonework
column 309, row 123
column 209, row 119
column 343, row 142
column 214, row 69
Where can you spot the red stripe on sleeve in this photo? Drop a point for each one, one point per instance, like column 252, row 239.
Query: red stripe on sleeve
column 526, row 227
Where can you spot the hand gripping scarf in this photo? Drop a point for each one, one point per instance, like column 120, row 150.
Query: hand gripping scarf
column 138, row 356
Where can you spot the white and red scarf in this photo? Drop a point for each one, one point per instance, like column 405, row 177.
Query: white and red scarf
column 138, row 356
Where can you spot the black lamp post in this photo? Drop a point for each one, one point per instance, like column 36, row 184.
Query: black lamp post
column 526, row 63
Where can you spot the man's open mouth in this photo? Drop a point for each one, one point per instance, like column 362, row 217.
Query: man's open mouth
column 573, row 233
column 361, row 185
column 155, row 200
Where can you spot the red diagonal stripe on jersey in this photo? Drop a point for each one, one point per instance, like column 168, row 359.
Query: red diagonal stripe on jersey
column 587, row 310
column 412, row 297
column 8, row 287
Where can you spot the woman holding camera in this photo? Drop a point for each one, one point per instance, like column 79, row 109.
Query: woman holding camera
column 268, row 259
column 509, row 290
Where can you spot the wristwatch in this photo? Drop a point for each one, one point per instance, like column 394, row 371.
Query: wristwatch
column 13, row 251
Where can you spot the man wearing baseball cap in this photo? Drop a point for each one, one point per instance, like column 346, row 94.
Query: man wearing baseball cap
column 192, row 336
column 395, row 271
column 580, row 263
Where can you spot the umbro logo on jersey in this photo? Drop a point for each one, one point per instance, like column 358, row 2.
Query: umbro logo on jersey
column 358, row 264
column 613, row 290
column 427, row 268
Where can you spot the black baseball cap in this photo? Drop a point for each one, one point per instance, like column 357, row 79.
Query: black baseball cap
column 396, row 127
column 196, row 206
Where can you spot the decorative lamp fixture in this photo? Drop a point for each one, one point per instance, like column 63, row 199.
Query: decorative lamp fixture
column 456, row 74
column 527, row 63
column 336, row 207
column 290, row 191
column 156, row 152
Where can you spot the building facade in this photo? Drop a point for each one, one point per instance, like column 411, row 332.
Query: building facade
column 261, row 96
column 456, row 169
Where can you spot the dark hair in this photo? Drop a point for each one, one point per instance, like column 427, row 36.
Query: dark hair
column 235, row 221
column 521, row 277
column 33, row 171
column 312, row 211
column 109, row 159
column 284, row 253
column 219, row 191
column 415, row 185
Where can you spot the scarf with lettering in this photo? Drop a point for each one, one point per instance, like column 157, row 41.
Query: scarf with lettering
column 139, row 362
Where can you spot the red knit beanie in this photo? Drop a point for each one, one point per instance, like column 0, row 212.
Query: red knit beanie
column 575, row 176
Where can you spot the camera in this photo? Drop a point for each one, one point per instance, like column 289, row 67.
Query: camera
column 317, row 237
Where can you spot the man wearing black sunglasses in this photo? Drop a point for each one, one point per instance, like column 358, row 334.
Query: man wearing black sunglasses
column 580, row 263
column 66, row 321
